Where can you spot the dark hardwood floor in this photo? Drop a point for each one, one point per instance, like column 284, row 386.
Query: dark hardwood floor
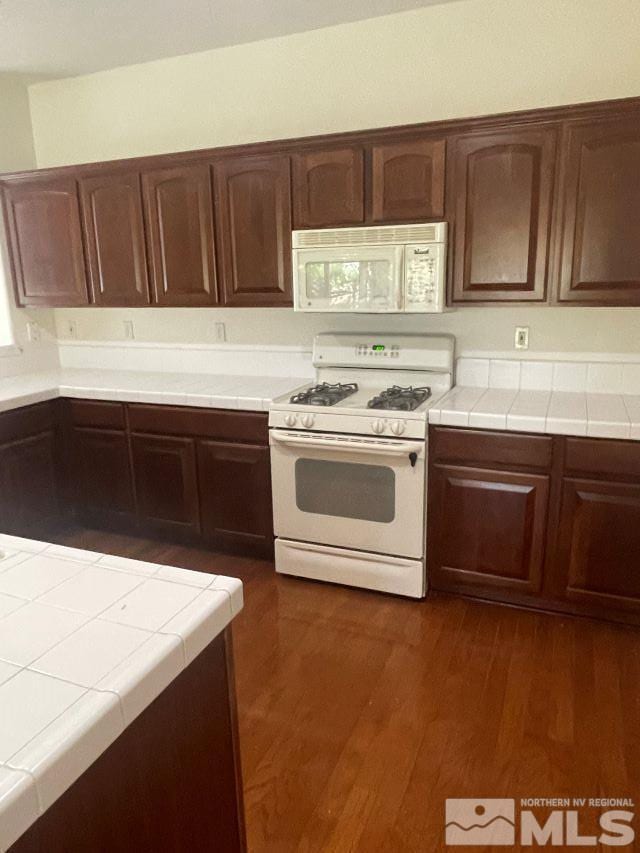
column 360, row 713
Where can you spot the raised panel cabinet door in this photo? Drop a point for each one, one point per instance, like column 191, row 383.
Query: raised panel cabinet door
column 487, row 530
column 114, row 236
column 407, row 180
column 235, row 494
column 600, row 240
column 166, row 483
column 45, row 241
column 253, row 206
column 179, row 213
column 598, row 557
column 502, row 197
column 102, row 475
column 29, row 496
column 328, row 188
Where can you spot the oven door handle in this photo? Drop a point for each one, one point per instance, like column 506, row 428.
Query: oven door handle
column 381, row 447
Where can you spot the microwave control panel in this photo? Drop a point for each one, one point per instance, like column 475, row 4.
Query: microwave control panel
column 424, row 278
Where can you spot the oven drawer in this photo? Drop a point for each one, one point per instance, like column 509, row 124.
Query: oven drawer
column 350, row 491
column 353, row 568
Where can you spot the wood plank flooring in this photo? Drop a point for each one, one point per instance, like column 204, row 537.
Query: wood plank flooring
column 361, row 713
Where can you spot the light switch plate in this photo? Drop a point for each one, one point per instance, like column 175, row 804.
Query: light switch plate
column 129, row 330
column 219, row 332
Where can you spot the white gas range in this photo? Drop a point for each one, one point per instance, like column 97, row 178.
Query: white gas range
column 349, row 460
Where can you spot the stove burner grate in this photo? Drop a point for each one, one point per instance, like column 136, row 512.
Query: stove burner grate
column 324, row 394
column 400, row 399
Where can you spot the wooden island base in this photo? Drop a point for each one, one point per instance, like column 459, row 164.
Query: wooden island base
column 171, row 782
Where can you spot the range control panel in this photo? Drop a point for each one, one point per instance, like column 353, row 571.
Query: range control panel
column 375, row 349
column 379, row 350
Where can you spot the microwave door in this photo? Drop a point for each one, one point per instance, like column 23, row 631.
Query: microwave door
column 364, row 279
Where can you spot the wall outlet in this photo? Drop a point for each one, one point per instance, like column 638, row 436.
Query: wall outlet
column 34, row 332
column 69, row 329
column 522, row 337
column 129, row 331
column 219, row 332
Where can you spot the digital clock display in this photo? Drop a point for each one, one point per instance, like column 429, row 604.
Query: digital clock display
column 378, row 347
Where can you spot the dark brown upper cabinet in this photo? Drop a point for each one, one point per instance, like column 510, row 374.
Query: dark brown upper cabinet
column 328, row 188
column 114, row 238
column 253, row 215
column 600, row 241
column 407, row 180
column 45, row 241
column 501, row 186
column 179, row 213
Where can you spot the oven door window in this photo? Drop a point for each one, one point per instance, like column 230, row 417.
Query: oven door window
column 346, row 490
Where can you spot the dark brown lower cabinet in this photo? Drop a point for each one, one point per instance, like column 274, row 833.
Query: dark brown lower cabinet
column 182, row 473
column 30, row 470
column 102, row 476
column 598, row 555
column 29, row 501
column 489, row 529
column 164, row 470
column 552, row 523
column 235, row 495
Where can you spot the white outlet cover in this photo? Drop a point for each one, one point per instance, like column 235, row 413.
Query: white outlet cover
column 521, row 338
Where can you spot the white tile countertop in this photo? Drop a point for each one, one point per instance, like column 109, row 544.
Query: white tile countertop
column 215, row 391
column 525, row 410
column 87, row 642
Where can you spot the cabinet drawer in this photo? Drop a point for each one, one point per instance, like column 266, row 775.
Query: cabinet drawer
column 206, row 423
column 30, row 420
column 603, row 456
column 96, row 413
column 483, row 447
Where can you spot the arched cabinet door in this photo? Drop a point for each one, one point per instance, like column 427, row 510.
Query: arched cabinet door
column 407, row 180
column 179, row 214
column 600, row 242
column 328, row 188
column 253, row 216
column 45, row 241
column 114, row 238
column 501, row 187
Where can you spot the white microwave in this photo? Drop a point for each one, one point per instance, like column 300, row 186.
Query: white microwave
column 397, row 269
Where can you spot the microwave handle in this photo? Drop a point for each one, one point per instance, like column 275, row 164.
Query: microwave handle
column 383, row 448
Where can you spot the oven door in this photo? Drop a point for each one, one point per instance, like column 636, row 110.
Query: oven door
column 365, row 279
column 349, row 491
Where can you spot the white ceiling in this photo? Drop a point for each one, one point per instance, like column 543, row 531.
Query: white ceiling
column 56, row 38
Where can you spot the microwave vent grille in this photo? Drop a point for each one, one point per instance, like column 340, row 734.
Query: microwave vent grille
column 384, row 235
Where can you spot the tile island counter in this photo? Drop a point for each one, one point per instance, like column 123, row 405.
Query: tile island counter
column 118, row 724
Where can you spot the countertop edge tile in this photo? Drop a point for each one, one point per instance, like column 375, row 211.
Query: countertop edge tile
column 45, row 754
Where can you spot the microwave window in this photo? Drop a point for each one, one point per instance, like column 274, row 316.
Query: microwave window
column 346, row 490
column 349, row 283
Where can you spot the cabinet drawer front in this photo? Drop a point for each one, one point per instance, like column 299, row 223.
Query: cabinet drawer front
column 28, row 421
column 603, row 456
column 491, row 448
column 207, row 423
column 95, row 413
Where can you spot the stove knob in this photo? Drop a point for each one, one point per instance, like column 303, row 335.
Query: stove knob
column 377, row 427
column 290, row 419
column 397, row 427
column 308, row 421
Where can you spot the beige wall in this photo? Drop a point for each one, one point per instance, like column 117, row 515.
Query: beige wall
column 458, row 59
column 16, row 152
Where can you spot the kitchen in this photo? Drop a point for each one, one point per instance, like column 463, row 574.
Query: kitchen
column 324, row 381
